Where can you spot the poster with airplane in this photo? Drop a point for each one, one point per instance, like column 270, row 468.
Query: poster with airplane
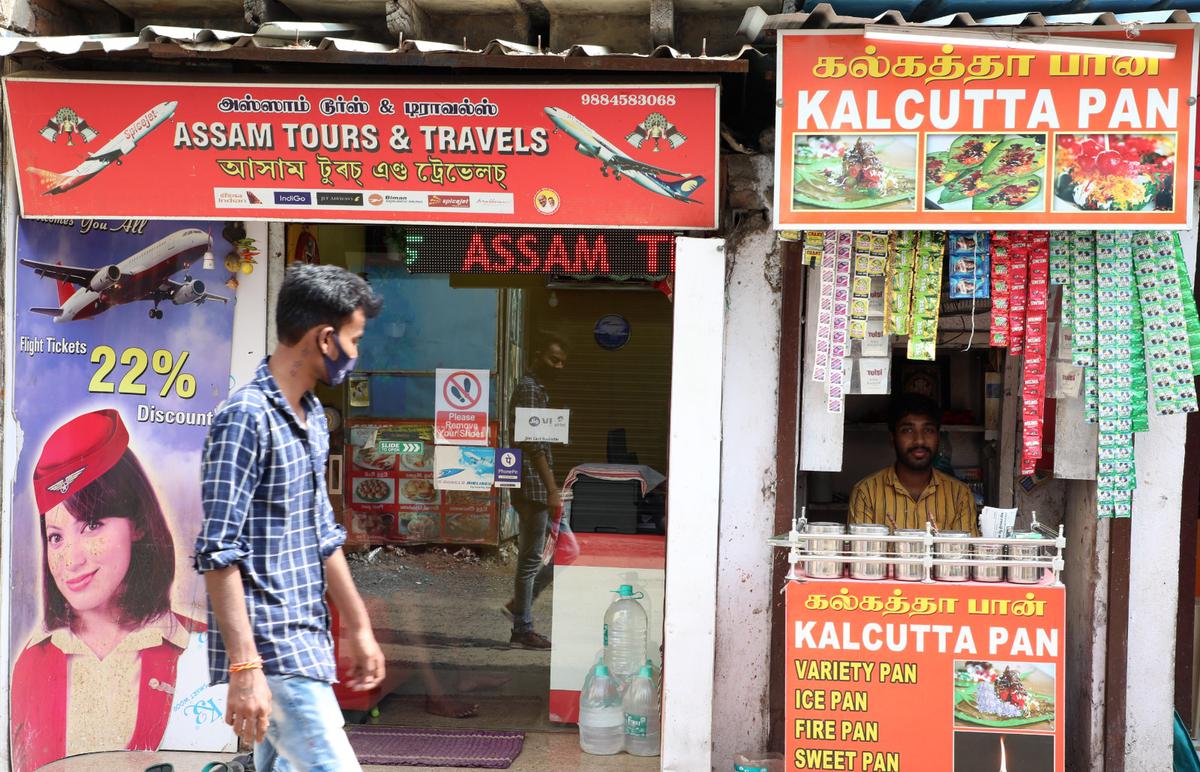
column 145, row 275
column 604, row 155
column 112, row 412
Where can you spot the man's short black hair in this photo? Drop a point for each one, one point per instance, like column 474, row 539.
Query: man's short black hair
column 545, row 339
column 318, row 295
column 913, row 404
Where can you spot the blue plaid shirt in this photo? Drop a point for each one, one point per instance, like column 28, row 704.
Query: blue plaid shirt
column 267, row 511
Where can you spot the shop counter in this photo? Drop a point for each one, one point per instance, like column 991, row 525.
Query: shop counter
column 583, row 589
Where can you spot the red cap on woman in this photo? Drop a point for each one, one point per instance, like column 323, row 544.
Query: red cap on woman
column 79, row 452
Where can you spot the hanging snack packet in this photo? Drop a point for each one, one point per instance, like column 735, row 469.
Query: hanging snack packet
column 1033, row 393
column 828, row 272
column 1060, row 258
column 926, row 296
column 1189, row 304
column 879, row 253
column 1115, row 350
column 814, row 247
column 1083, row 298
column 839, row 345
column 861, row 285
column 1018, row 278
column 999, row 248
column 898, row 282
column 970, row 269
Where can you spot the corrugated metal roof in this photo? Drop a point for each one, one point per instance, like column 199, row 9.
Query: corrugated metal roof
column 985, row 10
column 300, row 37
column 758, row 26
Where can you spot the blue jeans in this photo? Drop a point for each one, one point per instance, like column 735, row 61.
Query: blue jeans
column 532, row 577
column 305, row 733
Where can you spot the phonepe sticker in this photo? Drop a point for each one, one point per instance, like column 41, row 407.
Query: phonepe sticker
column 508, row 468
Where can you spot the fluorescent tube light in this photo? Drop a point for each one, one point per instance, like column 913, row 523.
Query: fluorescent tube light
column 1019, row 40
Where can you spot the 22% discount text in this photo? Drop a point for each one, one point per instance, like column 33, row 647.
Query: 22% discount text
column 136, row 363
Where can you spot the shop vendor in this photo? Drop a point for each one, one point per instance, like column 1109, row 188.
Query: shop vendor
column 911, row 493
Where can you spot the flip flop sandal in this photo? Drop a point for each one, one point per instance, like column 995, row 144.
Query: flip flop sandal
column 224, row 766
column 160, row 768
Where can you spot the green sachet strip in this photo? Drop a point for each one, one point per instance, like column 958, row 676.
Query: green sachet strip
column 1060, row 263
column 926, row 297
column 1141, row 389
column 1189, row 306
column 1091, row 393
column 1155, row 331
column 1083, row 298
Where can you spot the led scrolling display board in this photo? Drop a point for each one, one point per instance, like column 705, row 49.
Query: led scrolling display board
column 531, row 251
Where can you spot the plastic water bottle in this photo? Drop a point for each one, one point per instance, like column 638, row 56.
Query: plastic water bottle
column 641, row 715
column 625, row 636
column 601, row 720
column 591, row 673
column 655, row 675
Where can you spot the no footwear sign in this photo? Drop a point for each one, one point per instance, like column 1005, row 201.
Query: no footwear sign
column 461, row 409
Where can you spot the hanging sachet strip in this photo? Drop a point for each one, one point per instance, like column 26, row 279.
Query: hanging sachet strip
column 1060, row 258
column 860, row 286
column 926, row 296
column 814, row 247
column 901, row 267
column 825, row 307
column 1116, row 306
column 1033, row 384
column 839, row 344
column 1000, row 289
column 1189, row 305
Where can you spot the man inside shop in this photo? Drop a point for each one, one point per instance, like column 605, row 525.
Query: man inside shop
column 911, row 493
column 539, row 498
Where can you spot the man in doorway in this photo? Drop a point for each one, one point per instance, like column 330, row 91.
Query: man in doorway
column 911, row 493
column 539, row 498
column 269, row 546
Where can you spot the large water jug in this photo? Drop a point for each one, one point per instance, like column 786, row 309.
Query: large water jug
column 625, row 635
column 591, row 672
column 641, row 715
column 601, row 718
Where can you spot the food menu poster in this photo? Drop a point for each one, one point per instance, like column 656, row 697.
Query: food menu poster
column 877, row 133
column 892, row 677
column 390, row 497
column 627, row 156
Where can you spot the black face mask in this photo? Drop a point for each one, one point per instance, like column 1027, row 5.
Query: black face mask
column 545, row 373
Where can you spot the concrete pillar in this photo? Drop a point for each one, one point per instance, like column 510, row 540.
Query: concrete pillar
column 748, row 476
column 1154, row 584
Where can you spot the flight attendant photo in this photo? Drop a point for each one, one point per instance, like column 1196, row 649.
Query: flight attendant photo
column 99, row 673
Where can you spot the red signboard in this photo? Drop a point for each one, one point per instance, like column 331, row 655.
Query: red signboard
column 941, row 134
column 890, row 676
column 641, row 156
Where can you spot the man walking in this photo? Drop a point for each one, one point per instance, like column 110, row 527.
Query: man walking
column 269, row 547
column 539, row 496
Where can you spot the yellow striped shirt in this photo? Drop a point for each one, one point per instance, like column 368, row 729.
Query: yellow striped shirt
column 883, row 499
